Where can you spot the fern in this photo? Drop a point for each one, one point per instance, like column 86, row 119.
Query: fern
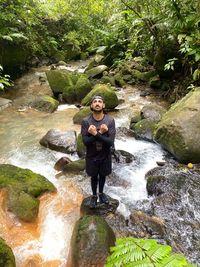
column 133, row 252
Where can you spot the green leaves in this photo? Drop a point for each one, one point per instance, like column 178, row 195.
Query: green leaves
column 130, row 252
column 4, row 80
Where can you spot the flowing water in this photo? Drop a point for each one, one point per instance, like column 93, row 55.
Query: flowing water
column 45, row 242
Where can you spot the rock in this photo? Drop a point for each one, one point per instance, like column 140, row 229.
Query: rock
column 4, row 103
column 23, row 205
column 144, row 129
column 72, row 86
column 82, row 87
column 136, row 117
column 59, row 166
column 153, row 112
column 178, row 131
column 60, row 141
column 176, row 201
column 111, row 100
column 45, row 103
column 23, row 186
column 121, row 156
column 7, row 258
column 75, row 166
column 81, row 149
column 101, row 209
column 155, row 82
column 91, row 241
column 95, row 62
column 143, row 76
column 123, row 132
column 147, row 226
column 81, row 114
column 96, row 71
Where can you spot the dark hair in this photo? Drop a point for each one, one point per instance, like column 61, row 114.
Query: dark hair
column 97, row 96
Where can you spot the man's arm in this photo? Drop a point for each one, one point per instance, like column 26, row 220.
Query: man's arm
column 108, row 140
column 87, row 139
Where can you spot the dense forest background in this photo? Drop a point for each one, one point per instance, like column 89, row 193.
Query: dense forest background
column 164, row 32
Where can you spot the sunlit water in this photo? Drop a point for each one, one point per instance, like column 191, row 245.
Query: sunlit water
column 46, row 241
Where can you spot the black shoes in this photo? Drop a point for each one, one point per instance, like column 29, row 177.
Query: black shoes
column 93, row 202
column 103, row 199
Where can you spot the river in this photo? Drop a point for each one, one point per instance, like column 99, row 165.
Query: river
column 45, row 242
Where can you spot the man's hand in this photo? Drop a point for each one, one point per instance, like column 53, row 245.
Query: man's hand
column 92, row 130
column 103, row 129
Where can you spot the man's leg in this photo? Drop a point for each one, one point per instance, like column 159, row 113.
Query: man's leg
column 102, row 197
column 94, row 182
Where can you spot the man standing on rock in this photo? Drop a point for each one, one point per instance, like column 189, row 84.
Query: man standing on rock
column 98, row 133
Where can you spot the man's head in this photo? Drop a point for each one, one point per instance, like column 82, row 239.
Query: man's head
column 97, row 103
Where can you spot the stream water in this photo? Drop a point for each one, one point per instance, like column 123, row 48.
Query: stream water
column 45, row 242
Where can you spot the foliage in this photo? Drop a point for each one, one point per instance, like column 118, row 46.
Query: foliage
column 130, row 252
column 4, row 79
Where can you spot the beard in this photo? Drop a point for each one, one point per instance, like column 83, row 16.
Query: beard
column 96, row 110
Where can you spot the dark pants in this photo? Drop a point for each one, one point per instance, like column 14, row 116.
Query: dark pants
column 94, row 183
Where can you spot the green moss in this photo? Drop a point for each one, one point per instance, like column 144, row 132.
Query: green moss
column 144, row 128
column 78, row 117
column 111, row 100
column 7, row 258
column 59, row 80
column 45, row 103
column 75, row 166
column 82, row 87
column 25, row 186
column 23, row 205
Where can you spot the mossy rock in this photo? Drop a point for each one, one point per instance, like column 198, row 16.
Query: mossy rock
column 143, row 76
column 91, row 241
column 7, row 258
column 81, row 149
column 110, row 97
column 45, row 103
column 119, row 79
column 82, row 87
column 81, row 114
column 93, row 72
column 69, row 96
column 75, row 166
column 144, row 129
column 25, row 185
column 59, row 80
column 178, row 130
column 23, row 205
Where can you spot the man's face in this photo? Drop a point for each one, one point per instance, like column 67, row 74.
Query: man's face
column 97, row 105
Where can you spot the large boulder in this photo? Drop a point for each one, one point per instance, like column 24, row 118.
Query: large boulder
column 178, row 131
column 60, row 141
column 72, row 86
column 7, row 258
column 91, row 241
column 111, row 100
column 23, row 187
column 75, row 166
column 81, row 148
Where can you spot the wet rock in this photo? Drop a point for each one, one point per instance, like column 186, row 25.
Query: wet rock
column 176, row 191
column 147, row 226
column 121, row 156
column 60, row 141
column 101, row 209
column 75, row 166
column 23, row 186
column 123, row 132
column 59, row 166
column 91, row 240
column 45, row 103
column 178, row 131
column 111, row 100
column 96, row 71
column 7, row 258
column 114, row 180
column 144, row 129
column 153, row 112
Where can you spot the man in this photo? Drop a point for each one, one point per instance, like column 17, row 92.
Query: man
column 98, row 133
